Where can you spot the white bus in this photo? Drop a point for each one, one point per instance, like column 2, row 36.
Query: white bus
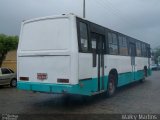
column 68, row 54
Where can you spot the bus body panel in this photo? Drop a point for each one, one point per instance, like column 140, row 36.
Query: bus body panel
column 85, row 66
column 120, row 61
column 41, row 35
column 58, row 69
column 141, row 62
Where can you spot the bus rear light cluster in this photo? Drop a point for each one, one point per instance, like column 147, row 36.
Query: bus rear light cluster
column 62, row 80
column 24, row 78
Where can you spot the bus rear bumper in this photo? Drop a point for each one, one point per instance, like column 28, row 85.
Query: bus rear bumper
column 53, row 88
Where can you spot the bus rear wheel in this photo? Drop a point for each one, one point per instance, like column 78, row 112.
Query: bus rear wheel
column 111, row 88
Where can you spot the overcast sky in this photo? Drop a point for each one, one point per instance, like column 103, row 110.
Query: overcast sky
column 137, row 18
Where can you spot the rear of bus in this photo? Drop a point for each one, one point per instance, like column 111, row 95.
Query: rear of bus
column 47, row 56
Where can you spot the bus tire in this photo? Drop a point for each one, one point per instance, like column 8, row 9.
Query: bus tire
column 111, row 88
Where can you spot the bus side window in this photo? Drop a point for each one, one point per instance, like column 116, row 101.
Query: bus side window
column 83, row 37
column 143, row 50
column 113, row 44
column 138, row 49
column 123, row 48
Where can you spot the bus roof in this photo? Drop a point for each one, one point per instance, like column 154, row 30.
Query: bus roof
column 72, row 14
column 48, row 17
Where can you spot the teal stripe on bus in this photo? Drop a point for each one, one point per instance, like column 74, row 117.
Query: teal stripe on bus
column 85, row 87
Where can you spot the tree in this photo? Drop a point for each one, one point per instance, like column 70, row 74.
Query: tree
column 156, row 54
column 7, row 43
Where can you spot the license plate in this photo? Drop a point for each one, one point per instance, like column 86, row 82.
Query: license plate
column 42, row 76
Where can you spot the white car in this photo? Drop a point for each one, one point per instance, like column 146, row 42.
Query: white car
column 155, row 67
column 8, row 77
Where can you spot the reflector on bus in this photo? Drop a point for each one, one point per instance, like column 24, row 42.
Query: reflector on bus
column 62, row 80
column 24, row 78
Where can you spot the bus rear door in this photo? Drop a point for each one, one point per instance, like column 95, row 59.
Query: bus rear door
column 98, row 59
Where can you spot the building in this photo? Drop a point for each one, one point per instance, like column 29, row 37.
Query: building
column 11, row 60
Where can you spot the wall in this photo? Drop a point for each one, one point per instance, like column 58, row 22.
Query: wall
column 11, row 60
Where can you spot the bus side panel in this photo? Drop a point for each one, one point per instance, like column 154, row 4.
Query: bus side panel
column 123, row 66
column 74, row 49
column 85, row 65
column 86, row 72
column 140, row 63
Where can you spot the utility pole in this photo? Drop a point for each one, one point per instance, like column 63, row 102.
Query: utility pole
column 84, row 8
